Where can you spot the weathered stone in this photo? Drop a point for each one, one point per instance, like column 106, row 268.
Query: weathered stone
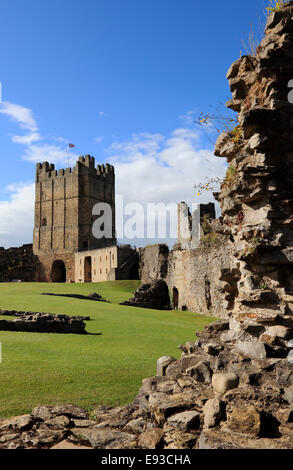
column 151, row 439
column 47, row 412
column 288, row 395
column 18, row 264
column 43, row 323
column 163, row 363
column 136, row 425
column 83, row 423
column 177, row 439
column 103, row 437
column 222, row 382
column 19, row 423
column 214, row 412
column 59, row 422
column 185, row 421
column 245, row 421
column 68, row 445
column 284, row 373
column 253, row 348
column 279, row 330
column 285, row 415
column 201, row 372
column 209, row 441
column 154, row 295
column 212, row 349
column 162, row 406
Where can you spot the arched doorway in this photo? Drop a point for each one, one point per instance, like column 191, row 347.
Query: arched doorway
column 88, row 269
column 134, row 272
column 175, row 295
column 58, row 271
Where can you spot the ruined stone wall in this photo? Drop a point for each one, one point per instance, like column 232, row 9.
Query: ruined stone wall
column 256, row 197
column 153, row 262
column 205, row 277
column 37, row 322
column 18, row 264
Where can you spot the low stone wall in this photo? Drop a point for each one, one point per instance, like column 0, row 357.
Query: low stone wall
column 18, row 264
column 42, row 323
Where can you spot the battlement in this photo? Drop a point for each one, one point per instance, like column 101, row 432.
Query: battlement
column 47, row 170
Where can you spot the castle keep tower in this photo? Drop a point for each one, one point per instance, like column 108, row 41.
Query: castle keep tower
column 63, row 214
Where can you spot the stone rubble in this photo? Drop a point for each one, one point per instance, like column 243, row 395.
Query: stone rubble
column 154, row 295
column 248, row 403
column 42, row 322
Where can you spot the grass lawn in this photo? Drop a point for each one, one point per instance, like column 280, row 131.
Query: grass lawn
column 105, row 367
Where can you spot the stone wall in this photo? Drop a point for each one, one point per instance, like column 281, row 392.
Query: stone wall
column 256, row 197
column 18, row 264
column 153, row 262
column 205, row 278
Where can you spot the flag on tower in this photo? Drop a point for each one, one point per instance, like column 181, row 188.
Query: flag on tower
column 71, row 146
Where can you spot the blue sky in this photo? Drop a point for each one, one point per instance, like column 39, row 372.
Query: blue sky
column 119, row 79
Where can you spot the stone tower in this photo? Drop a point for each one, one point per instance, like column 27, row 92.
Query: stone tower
column 63, row 214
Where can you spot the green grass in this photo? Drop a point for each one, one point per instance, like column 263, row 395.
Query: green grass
column 105, row 367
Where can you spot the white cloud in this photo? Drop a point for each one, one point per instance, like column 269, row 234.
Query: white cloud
column 23, row 116
column 156, row 168
column 103, row 114
column 49, row 153
column 164, row 169
column 17, row 214
column 40, row 152
column 189, row 116
column 26, row 139
column 100, row 139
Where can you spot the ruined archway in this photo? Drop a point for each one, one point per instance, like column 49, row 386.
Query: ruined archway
column 58, row 271
column 175, row 296
column 88, row 269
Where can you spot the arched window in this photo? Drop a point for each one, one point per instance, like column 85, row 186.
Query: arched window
column 44, row 222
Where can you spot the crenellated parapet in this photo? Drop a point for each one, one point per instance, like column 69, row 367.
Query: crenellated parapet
column 47, row 170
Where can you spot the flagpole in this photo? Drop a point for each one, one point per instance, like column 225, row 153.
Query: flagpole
column 70, row 146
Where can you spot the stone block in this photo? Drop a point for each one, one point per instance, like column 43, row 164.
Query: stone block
column 185, row 421
column 222, row 382
column 163, row 363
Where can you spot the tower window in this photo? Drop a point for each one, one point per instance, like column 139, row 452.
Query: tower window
column 44, row 222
